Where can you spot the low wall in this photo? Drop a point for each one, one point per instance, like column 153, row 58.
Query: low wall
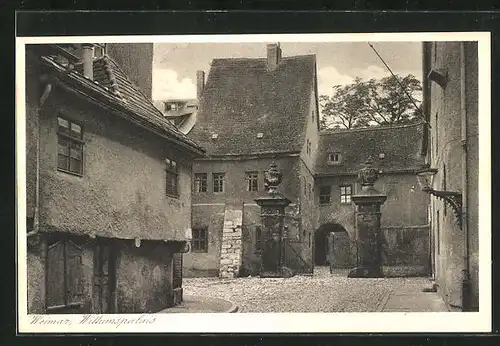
column 404, row 251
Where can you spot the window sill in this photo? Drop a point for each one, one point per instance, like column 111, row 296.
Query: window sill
column 325, row 204
column 199, row 251
column 70, row 173
column 172, row 196
column 331, row 163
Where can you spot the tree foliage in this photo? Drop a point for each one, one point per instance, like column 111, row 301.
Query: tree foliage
column 371, row 103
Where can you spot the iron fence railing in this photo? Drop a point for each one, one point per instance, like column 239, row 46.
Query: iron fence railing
column 177, row 270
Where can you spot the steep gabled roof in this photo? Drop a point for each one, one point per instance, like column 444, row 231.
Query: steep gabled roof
column 111, row 83
column 399, row 144
column 241, row 99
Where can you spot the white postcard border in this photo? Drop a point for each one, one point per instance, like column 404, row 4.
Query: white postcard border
column 268, row 322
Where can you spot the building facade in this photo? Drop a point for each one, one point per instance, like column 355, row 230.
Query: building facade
column 252, row 112
column 395, row 151
column 451, row 104
column 108, row 188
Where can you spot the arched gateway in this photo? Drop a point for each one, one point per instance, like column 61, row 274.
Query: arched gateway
column 331, row 245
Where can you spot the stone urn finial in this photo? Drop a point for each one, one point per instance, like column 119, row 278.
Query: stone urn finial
column 273, row 178
column 368, row 175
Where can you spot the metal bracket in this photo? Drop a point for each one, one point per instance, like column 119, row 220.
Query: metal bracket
column 454, row 199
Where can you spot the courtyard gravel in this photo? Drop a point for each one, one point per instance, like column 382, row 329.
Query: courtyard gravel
column 322, row 292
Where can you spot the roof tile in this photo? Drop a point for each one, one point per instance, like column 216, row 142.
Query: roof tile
column 241, row 98
column 399, row 144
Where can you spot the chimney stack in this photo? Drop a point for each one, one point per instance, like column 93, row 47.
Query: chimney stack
column 88, row 55
column 273, row 56
column 200, row 83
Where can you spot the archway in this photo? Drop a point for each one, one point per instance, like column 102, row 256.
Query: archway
column 323, row 246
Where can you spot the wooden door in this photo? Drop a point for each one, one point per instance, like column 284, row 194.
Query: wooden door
column 64, row 277
column 104, row 278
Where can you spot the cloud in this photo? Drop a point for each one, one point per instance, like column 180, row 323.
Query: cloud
column 371, row 71
column 166, row 85
column 328, row 77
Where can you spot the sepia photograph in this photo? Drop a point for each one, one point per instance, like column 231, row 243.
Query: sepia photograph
column 242, row 176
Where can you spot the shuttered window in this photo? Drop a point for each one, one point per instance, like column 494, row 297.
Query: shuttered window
column 64, row 275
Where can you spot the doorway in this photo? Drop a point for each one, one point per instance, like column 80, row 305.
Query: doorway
column 321, row 248
column 104, row 277
column 324, row 247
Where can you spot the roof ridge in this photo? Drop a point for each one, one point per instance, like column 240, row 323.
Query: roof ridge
column 263, row 58
column 370, row 128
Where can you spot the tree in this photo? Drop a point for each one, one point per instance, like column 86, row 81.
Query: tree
column 371, row 103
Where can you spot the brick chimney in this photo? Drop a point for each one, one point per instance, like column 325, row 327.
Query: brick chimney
column 273, row 56
column 88, row 55
column 200, row 83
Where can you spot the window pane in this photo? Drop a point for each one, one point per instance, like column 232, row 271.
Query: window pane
column 62, row 162
column 76, row 130
column 76, row 151
column 218, row 182
column 63, row 125
column 63, row 146
column 75, row 166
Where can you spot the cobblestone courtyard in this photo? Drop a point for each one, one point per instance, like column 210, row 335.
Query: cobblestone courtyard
column 322, row 292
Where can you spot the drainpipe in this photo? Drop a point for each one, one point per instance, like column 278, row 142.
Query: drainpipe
column 36, row 216
column 426, row 152
column 466, row 284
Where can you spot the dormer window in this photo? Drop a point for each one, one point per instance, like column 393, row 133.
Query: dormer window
column 171, row 107
column 334, row 157
column 215, row 136
column 99, row 50
column 260, row 135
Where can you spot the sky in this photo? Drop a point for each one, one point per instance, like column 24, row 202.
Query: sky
column 175, row 64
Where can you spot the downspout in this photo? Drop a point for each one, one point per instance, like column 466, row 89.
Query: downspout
column 36, row 216
column 425, row 152
column 466, row 284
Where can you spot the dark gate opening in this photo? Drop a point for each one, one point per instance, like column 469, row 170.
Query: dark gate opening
column 324, row 247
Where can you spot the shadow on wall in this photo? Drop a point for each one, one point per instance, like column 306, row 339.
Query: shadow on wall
column 404, row 250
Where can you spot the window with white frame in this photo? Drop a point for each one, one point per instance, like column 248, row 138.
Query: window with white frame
column 345, row 194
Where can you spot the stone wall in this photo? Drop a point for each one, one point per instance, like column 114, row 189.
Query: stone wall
column 231, row 248
column 405, row 251
column 446, row 154
column 144, row 277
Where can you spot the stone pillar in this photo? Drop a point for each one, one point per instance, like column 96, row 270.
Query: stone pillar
column 368, row 234
column 273, row 226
